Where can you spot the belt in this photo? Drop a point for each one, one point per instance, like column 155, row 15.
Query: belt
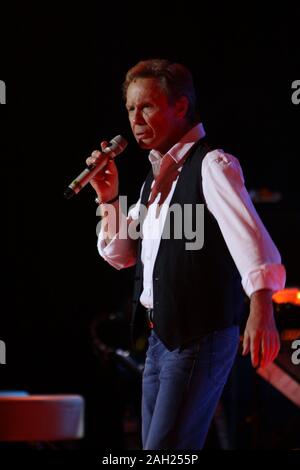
column 149, row 315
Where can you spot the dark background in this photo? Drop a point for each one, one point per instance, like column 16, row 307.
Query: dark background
column 63, row 68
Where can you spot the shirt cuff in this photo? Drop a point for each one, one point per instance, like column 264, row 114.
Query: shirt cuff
column 267, row 276
column 105, row 249
column 119, row 253
column 108, row 251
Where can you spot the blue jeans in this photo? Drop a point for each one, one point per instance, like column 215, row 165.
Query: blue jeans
column 181, row 389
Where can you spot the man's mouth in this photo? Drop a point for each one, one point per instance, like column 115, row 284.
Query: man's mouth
column 142, row 135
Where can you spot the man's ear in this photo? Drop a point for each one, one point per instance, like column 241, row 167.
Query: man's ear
column 182, row 105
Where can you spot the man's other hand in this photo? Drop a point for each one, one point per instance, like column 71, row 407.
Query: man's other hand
column 261, row 337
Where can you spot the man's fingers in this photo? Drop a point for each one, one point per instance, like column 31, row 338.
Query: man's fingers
column 255, row 349
column 275, row 346
column 270, row 348
column 93, row 157
column 246, row 344
column 109, row 169
column 96, row 154
column 266, row 351
column 104, row 144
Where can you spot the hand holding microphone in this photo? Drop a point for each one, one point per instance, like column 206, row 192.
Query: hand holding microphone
column 106, row 181
column 101, row 172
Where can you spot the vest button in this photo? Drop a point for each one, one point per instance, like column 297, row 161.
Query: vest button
column 156, row 279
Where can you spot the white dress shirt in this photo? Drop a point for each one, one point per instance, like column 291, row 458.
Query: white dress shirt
column 226, row 197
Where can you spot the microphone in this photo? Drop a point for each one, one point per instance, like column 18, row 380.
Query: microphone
column 115, row 147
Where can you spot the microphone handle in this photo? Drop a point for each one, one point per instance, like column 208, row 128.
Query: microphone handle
column 85, row 176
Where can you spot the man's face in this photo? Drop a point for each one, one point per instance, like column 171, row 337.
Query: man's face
column 155, row 123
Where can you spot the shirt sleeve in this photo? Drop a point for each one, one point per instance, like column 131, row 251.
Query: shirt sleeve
column 249, row 243
column 121, row 251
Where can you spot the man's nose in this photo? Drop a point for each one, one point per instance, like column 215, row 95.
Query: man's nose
column 137, row 118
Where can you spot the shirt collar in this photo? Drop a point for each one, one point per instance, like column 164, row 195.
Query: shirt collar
column 179, row 150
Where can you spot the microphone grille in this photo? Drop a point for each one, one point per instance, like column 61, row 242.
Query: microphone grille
column 120, row 142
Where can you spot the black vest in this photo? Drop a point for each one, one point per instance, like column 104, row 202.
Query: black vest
column 194, row 291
